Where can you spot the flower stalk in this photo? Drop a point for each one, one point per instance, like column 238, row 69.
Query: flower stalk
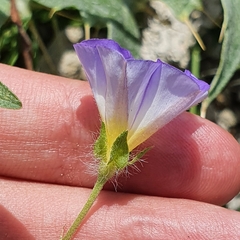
column 91, row 199
column 112, row 158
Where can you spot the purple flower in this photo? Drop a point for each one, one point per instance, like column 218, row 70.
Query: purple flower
column 136, row 95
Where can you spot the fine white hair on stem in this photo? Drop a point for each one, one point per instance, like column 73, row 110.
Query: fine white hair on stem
column 114, row 180
column 126, row 172
column 92, row 165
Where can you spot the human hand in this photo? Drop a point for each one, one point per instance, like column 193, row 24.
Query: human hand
column 45, row 151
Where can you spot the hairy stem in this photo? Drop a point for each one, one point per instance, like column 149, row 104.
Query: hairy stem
column 94, row 194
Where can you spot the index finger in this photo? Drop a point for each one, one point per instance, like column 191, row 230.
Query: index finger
column 50, row 140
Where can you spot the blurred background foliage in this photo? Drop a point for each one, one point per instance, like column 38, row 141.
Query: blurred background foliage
column 35, row 24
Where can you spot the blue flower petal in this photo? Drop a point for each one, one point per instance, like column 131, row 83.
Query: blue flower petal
column 136, row 95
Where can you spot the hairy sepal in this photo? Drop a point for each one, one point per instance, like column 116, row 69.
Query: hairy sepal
column 100, row 146
column 119, row 154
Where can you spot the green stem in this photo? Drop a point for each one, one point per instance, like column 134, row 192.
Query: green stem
column 94, row 194
column 87, row 30
column 195, row 69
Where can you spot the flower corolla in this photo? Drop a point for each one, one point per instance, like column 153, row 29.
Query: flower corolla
column 136, row 96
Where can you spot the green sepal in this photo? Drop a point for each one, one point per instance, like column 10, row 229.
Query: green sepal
column 8, row 99
column 100, row 146
column 139, row 155
column 119, row 154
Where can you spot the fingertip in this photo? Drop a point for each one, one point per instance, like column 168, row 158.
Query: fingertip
column 192, row 158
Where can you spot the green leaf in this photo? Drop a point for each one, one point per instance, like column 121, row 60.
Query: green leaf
column 183, row 8
column 24, row 10
column 106, row 9
column 9, row 40
column 119, row 155
column 8, row 99
column 125, row 40
column 4, row 11
column 230, row 54
column 100, row 146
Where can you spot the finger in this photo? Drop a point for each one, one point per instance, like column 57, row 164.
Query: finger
column 45, row 211
column 49, row 137
column 193, row 158
column 50, row 140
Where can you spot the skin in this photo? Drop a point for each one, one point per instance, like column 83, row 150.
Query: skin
column 45, row 154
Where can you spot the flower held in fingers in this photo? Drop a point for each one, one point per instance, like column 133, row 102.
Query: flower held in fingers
column 135, row 99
